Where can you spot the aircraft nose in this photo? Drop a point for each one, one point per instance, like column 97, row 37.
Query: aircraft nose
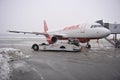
column 107, row 32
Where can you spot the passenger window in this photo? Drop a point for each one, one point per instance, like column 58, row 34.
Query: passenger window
column 94, row 26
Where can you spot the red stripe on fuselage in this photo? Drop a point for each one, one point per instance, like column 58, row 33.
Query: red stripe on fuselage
column 71, row 27
column 82, row 40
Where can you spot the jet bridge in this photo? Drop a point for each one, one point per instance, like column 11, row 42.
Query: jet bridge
column 115, row 30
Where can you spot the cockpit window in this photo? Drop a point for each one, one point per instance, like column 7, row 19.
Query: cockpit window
column 95, row 26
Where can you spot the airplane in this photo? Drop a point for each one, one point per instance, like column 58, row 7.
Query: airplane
column 83, row 32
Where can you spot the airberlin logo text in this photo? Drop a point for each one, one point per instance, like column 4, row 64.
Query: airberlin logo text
column 71, row 27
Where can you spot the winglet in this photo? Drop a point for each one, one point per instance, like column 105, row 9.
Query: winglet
column 45, row 27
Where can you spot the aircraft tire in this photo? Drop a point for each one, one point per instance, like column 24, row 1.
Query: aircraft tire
column 35, row 47
column 62, row 47
column 88, row 46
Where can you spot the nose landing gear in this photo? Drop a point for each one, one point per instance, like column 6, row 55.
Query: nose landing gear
column 88, row 45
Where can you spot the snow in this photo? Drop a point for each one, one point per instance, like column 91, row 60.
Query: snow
column 4, row 67
column 13, row 53
column 7, row 55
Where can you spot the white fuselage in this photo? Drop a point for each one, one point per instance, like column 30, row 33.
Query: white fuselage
column 82, row 32
column 91, row 31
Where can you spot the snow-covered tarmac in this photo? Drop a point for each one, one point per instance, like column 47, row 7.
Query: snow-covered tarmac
column 6, row 56
column 19, row 62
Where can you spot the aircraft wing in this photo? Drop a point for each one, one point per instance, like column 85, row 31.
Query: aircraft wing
column 39, row 33
column 36, row 33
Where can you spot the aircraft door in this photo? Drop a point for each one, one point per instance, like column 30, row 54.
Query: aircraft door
column 82, row 29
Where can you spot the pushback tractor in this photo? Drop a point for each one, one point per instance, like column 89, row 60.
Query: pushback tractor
column 71, row 45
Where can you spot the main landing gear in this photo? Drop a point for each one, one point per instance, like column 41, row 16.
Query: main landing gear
column 88, row 45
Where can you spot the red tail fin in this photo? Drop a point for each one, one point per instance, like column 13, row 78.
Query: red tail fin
column 45, row 27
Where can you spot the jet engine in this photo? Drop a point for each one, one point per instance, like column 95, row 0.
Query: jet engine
column 52, row 40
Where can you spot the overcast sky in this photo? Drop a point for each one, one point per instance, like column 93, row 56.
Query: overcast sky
column 28, row 15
